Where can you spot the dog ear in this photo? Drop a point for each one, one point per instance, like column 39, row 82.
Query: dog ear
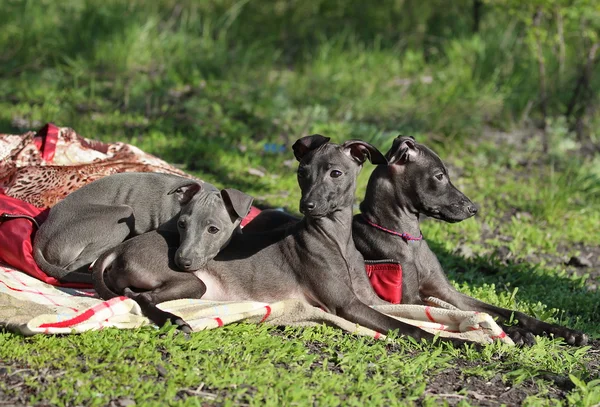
column 186, row 191
column 306, row 144
column 402, row 150
column 361, row 151
column 237, row 203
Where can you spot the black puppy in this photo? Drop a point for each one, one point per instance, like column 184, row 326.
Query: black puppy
column 416, row 182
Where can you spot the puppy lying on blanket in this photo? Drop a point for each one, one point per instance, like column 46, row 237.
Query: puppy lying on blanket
column 104, row 213
column 314, row 260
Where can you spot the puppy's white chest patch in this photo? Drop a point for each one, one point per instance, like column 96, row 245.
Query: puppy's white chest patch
column 214, row 288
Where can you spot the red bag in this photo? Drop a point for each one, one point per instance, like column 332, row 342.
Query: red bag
column 16, row 238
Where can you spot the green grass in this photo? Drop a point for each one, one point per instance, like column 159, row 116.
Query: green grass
column 206, row 85
column 264, row 365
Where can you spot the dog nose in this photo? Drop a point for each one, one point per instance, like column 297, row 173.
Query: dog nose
column 185, row 263
column 472, row 209
column 307, row 206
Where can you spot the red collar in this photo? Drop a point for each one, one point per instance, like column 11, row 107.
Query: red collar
column 404, row 236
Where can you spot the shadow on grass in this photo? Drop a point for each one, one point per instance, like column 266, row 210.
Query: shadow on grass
column 8, row 128
column 534, row 285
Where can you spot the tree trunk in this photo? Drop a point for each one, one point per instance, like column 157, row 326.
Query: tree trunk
column 583, row 94
column 477, row 6
column 542, row 74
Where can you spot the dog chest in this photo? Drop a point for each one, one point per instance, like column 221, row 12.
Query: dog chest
column 215, row 289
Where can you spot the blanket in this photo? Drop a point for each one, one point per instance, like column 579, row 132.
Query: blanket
column 30, row 306
column 42, row 168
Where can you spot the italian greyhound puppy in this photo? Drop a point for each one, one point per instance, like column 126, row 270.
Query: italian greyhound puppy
column 415, row 181
column 104, row 213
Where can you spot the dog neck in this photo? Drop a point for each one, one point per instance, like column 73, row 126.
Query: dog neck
column 386, row 206
column 334, row 226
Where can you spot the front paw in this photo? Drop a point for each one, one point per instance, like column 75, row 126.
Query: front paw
column 520, row 336
column 570, row 336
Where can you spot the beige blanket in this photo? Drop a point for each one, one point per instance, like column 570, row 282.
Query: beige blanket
column 30, row 306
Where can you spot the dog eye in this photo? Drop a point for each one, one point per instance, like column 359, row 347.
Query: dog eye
column 213, row 229
column 181, row 224
column 440, row 177
column 301, row 172
column 335, row 174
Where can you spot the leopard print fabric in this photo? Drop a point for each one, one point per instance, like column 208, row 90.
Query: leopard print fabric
column 76, row 161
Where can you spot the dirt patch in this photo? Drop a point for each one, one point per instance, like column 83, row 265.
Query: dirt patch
column 13, row 389
column 586, row 262
column 455, row 385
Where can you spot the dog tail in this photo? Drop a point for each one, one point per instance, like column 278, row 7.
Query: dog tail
column 98, row 270
column 60, row 273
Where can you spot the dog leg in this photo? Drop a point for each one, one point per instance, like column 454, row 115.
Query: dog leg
column 522, row 333
column 362, row 314
column 184, row 286
column 67, row 252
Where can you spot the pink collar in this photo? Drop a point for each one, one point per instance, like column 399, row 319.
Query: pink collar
column 404, row 236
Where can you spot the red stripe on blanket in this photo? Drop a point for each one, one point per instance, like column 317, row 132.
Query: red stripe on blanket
column 428, row 314
column 268, row 308
column 36, row 293
column 86, row 315
column 501, row 336
column 219, row 321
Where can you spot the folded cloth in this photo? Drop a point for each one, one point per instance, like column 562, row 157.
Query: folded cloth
column 30, row 306
column 42, row 168
column 16, row 235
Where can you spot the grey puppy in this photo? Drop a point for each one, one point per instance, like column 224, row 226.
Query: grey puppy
column 314, row 260
column 104, row 213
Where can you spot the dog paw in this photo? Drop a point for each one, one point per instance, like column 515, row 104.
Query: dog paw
column 572, row 337
column 182, row 325
column 520, row 336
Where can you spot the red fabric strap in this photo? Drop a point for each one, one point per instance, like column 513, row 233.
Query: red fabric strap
column 45, row 140
column 254, row 211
